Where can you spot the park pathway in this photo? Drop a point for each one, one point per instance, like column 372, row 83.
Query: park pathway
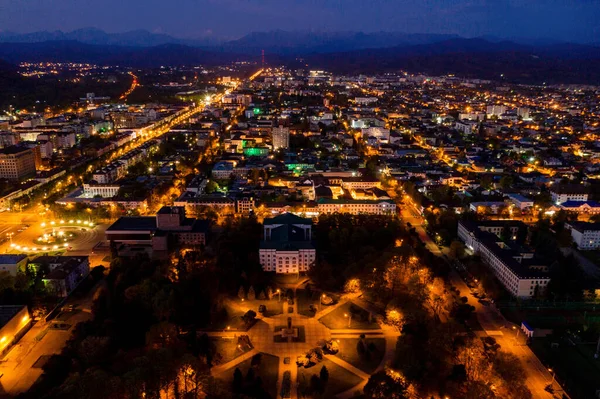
column 262, row 333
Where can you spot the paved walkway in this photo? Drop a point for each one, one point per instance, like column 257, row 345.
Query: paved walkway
column 262, row 333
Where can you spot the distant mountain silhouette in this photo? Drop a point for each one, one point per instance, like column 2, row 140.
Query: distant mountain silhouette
column 135, row 38
column 295, row 43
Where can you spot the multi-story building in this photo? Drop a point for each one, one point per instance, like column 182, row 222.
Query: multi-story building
column 585, row 235
column 568, row 192
column 13, row 263
column 100, row 190
column 152, row 233
column 355, row 207
column 65, row 272
column 17, row 163
column 517, row 269
column 286, row 246
column 281, row 137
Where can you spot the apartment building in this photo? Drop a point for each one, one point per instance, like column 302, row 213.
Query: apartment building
column 518, row 270
column 17, row 163
column 585, row 235
column 568, row 192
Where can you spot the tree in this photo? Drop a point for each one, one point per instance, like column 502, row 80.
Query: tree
column 457, row 250
column 315, row 384
column 251, row 294
column 238, row 381
column 249, row 317
column 386, row 384
column 242, row 293
column 269, row 293
column 324, row 377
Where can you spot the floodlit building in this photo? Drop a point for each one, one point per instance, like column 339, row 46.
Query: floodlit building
column 15, row 321
column 286, row 246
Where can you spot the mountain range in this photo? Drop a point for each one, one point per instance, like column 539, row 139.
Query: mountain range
column 342, row 52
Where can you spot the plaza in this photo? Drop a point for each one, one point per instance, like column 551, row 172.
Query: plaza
column 350, row 378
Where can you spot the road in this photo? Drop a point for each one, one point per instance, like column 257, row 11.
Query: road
column 134, row 85
column 21, row 366
column 490, row 319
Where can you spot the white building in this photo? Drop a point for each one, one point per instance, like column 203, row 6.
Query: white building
column 466, row 126
column 520, row 201
column 100, row 190
column 287, row 246
column 571, row 192
column 356, row 207
column 585, row 235
column 516, row 270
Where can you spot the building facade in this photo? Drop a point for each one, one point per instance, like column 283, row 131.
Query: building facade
column 17, row 163
column 286, row 246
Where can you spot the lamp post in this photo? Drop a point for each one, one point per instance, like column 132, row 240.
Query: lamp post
column 553, row 376
column 349, row 316
column 278, row 292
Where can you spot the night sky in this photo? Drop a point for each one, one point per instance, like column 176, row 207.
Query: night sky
column 568, row 20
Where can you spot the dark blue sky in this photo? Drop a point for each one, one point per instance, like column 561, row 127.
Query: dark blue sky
column 569, row 20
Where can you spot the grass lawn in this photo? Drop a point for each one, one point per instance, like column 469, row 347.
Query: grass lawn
column 227, row 348
column 268, row 370
column 575, row 366
column 340, row 379
column 235, row 309
column 349, row 353
column 304, row 299
column 360, row 318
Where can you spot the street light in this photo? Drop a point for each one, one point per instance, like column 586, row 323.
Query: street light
column 349, row 316
column 278, row 295
column 553, row 376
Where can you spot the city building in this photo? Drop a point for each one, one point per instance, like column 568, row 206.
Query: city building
column 17, row 163
column 585, row 235
column 13, row 263
column 151, row 234
column 520, row 201
column 568, row 192
column 281, row 137
column 65, row 272
column 517, row 269
column 356, row 207
column 286, row 246
column 15, row 321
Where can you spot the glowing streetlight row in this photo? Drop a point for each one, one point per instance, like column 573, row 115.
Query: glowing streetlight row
column 72, row 221
column 36, row 249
